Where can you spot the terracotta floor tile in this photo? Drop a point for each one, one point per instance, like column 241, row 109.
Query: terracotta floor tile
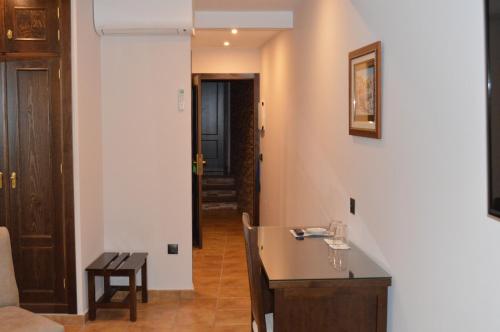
column 72, row 328
column 207, row 282
column 195, row 316
column 106, row 326
column 233, row 303
column 200, row 303
column 209, row 273
column 234, row 275
column 232, row 317
column 231, row 269
column 152, row 328
column 234, row 292
column 203, row 292
column 167, row 297
column 232, row 328
column 232, row 266
column 194, row 328
column 235, row 282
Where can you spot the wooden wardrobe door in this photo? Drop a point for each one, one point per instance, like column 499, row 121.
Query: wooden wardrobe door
column 36, row 204
column 3, row 151
column 33, row 25
column 3, row 35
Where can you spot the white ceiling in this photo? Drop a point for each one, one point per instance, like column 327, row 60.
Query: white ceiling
column 244, row 39
column 243, row 5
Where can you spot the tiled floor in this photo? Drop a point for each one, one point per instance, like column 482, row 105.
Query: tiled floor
column 220, row 303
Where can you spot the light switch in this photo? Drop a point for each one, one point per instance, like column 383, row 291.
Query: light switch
column 181, row 103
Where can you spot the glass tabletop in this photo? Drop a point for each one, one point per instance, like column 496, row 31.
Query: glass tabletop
column 286, row 259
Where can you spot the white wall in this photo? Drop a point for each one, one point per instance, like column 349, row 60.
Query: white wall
column 421, row 190
column 87, row 147
column 147, row 153
column 225, row 60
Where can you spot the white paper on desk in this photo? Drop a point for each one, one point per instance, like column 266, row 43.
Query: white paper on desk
column 342, row 246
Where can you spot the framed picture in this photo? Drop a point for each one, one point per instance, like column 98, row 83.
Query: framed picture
column 365, row 91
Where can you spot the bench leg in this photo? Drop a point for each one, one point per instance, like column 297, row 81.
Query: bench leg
column 144, row 277
column 91, row 290
column 133, row 297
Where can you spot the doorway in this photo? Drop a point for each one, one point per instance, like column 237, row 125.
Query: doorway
column 225, row 147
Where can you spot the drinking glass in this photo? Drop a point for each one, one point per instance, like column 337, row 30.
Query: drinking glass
column 339, row 259
column 332, row 229
column 340, row 236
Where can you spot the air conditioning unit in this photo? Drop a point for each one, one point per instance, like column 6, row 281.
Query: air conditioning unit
column 143, row 17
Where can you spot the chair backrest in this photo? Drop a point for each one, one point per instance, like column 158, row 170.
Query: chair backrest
column 254, row 273
column 9, row 294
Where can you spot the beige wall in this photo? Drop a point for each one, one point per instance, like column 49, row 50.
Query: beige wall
column 147, row 153
column 225, row 61
column 421, row 190
column 87, row 143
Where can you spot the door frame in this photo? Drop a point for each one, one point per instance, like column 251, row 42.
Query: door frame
column 68, row 176
column 68, row 198
column 255, row 77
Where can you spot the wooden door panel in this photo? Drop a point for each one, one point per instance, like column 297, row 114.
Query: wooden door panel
column 34, row 25
column 2, row 27
column 3, row 150
column 196, row 150
column 214, row 99
column 35, row 152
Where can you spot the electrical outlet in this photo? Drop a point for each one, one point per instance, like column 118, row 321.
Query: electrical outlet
column 173, row 249
column 352, row 207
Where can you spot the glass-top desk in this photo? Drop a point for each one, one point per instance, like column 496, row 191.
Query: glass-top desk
column 320, row 289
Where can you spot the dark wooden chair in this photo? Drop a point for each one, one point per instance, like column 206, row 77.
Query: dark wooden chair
column 262, row 317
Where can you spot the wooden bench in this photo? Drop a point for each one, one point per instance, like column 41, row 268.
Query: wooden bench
column 112, row 264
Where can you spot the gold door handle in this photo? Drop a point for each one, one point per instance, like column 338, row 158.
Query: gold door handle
column 1, row 180
column 10, row 34
column 199, row 164
column 13, row 180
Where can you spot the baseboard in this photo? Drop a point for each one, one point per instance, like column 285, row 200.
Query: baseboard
column 166, row 295
column 74, row 320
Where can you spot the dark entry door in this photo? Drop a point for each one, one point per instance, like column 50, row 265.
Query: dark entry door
column 214, row 104
column 198, row 162
column 35, row 183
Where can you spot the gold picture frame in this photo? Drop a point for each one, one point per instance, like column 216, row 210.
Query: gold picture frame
column 365, row 91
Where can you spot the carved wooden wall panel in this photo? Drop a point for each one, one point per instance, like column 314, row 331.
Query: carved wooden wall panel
column 30, row 23
column 33, row 25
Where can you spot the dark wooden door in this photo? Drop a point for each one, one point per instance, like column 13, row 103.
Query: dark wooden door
column 214, row 104
column 3, row 150
column 31, row 25
column 197, row 162
column 35, row 183
column 3, row 36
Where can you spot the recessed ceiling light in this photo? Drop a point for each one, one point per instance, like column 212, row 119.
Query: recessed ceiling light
column 226, row 43
column 234, row 31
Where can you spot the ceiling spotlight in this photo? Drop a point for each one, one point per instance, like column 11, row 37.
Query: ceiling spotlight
column 226, row 43
column 234, row 31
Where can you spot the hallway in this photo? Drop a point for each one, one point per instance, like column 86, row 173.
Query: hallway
column 220, row 302
column 219, row 272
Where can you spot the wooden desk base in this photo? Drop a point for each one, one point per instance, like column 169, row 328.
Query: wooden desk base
column 345, row 308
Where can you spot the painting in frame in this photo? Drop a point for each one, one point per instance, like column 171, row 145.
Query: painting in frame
column 365, row 91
